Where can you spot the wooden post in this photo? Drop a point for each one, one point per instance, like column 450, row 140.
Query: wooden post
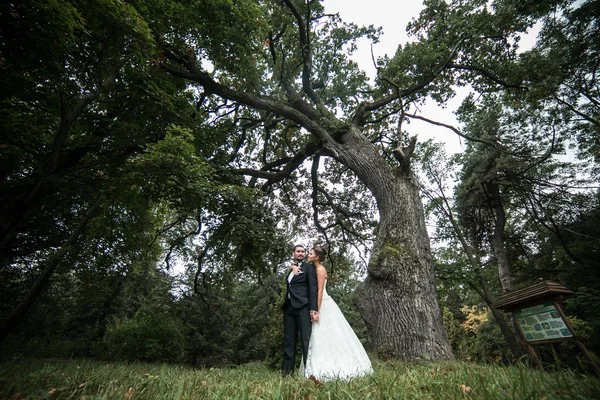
column 579, row 343
column 530, row 348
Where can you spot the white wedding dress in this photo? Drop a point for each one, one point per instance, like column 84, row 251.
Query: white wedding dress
column 334, row 351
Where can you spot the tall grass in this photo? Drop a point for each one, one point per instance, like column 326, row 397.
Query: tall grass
column 88, row 379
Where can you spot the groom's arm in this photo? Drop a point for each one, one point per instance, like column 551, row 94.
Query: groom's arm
column 313, row 289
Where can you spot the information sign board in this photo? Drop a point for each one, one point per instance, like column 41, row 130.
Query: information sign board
column 542, row 322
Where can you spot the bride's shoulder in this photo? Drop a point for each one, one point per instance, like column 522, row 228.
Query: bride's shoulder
column 321, row 270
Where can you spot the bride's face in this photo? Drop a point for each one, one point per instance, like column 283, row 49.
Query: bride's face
column 311, row 256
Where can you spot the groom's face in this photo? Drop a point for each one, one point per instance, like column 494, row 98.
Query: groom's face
column 299, row 253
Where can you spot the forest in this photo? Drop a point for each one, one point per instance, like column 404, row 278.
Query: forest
column 160, row 158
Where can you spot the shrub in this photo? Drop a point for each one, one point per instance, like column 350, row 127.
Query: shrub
column 489, row 343
column 460, row 340
column 145, row 337
column 477, row 338
column 273, row 332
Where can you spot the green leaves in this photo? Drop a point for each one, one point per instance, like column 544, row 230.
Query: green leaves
column 171, row 171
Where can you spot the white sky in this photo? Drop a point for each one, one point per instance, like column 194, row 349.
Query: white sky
column 393, row 16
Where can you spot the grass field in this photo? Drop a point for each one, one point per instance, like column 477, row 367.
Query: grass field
column 91, row 379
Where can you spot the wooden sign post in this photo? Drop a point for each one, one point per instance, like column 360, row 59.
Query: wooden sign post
column 537, row 313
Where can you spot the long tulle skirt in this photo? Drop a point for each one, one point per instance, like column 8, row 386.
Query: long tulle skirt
column 334, row 350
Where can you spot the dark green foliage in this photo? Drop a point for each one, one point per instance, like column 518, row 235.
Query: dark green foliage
column 77, row 106
column 583, row 304
column 273, row 332
column 457, row 335
column 489, row 344
column 154, row 337
column 570, row 255
column 226, row 323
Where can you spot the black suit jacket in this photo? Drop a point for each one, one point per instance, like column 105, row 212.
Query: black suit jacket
column 303, row 289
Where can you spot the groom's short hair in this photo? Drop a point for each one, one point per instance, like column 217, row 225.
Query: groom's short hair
column 298, row 245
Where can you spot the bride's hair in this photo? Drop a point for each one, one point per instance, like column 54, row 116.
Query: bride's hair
column 321, row 252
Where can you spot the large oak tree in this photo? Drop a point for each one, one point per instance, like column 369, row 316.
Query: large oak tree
column 282, row 71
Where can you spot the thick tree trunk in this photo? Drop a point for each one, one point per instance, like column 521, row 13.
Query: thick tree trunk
column 398, row 298
column 483, row 289
column 499, row 247
column 498, row 240
column 511, row 337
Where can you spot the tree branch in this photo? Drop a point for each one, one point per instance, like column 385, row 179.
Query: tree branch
column 40, row 283
column 304, row 31
column 487, row 74
column 365, row 107
column 576, row 111
column 314, row 179
column 301, row 113
column 291, row 164
column 458, row 132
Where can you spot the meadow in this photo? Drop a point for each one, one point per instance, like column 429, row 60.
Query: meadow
column 92, row 379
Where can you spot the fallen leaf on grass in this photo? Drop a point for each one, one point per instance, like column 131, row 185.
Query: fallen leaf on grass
column 129, row 393
column 465, row 389
column 16, row 396
column 316, row 381
column 52, row 391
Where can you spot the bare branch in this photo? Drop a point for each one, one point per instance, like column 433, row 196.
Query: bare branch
column 314, row 179
column 403, row 154
column 382, row 117
column 576, row 111
column 304, row 32
column 366, row 107
column 487, row 74
column 373, row 60
column 457, row 131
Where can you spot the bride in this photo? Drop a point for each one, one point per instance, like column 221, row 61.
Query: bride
column 334, row 351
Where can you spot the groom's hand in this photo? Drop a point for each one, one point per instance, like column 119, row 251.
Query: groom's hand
column 314, row 316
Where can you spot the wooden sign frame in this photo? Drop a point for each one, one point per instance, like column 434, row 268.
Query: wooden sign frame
column 544, row 293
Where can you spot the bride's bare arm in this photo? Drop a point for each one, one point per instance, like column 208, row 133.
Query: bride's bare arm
column 295, row 268
column 321, row 276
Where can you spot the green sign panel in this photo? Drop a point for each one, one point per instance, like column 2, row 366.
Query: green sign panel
column 542, row 322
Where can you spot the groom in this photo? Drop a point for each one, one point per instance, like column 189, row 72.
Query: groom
column 299, row 309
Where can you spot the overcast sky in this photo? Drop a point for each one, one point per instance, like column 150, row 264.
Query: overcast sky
column 393, row 16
